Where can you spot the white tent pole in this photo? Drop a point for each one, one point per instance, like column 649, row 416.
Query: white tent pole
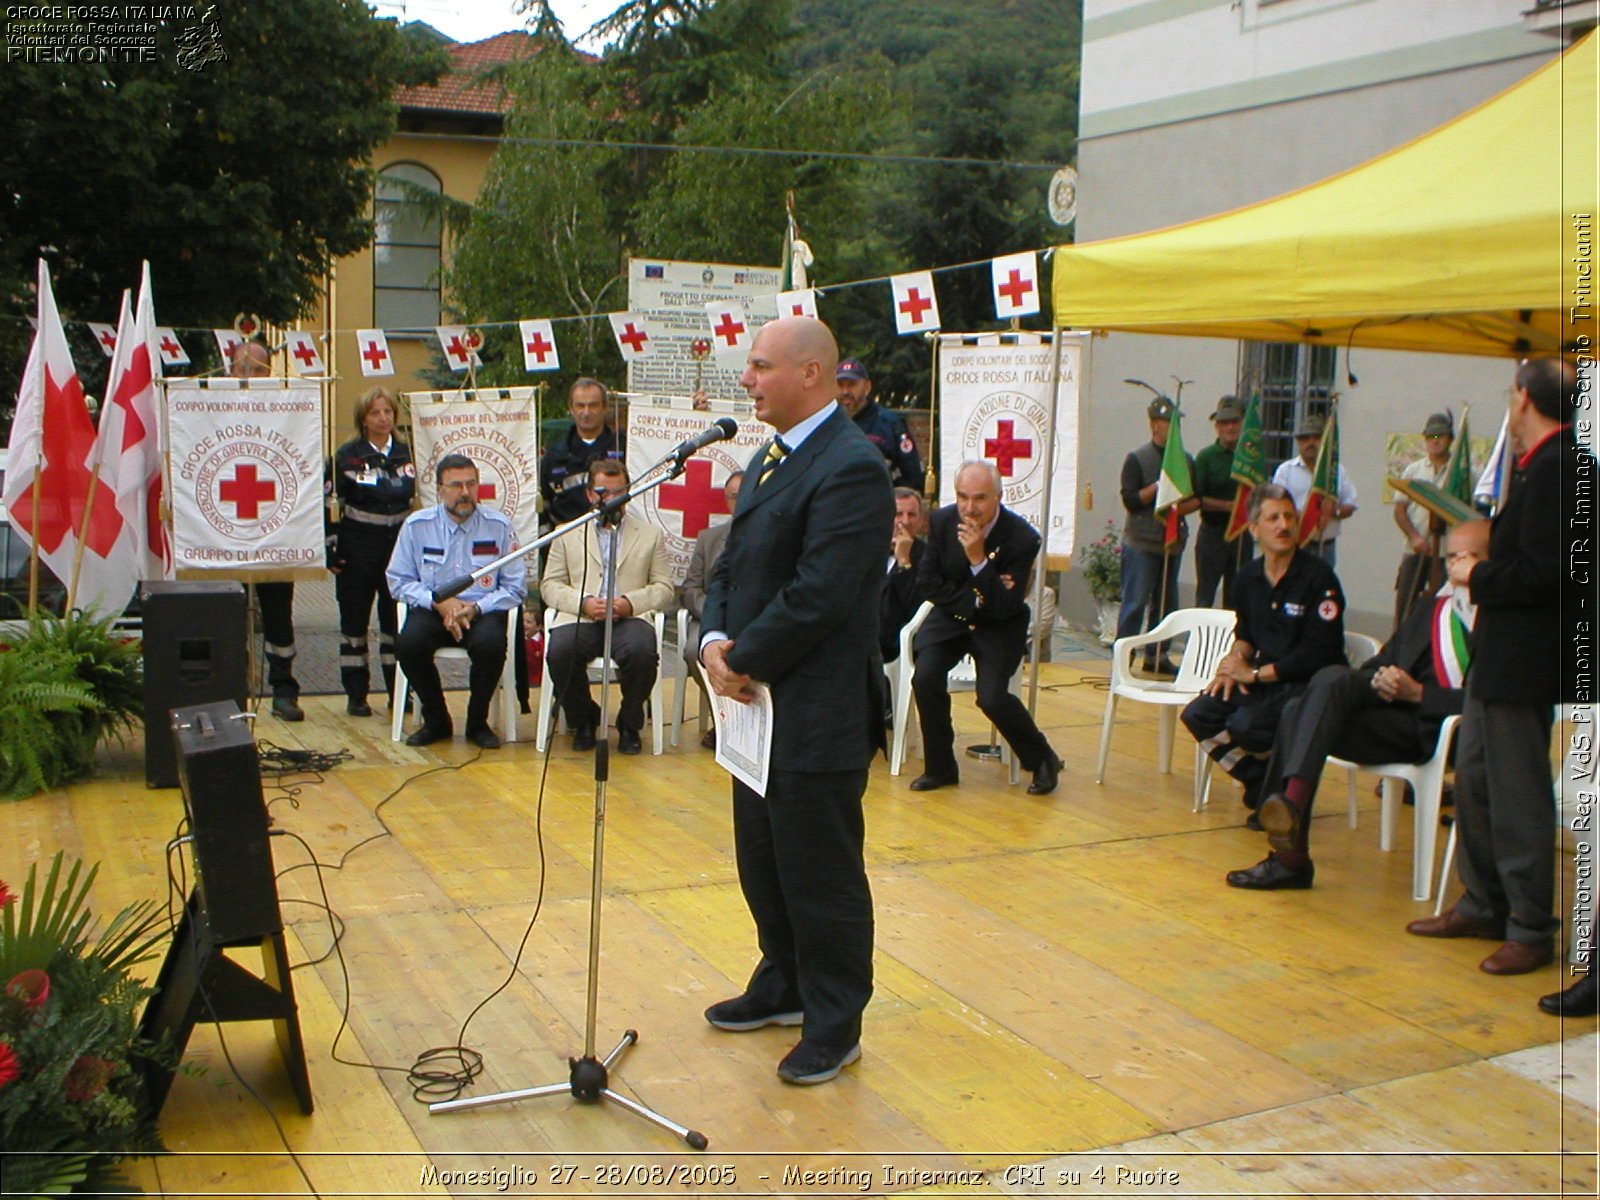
column 1044, row 513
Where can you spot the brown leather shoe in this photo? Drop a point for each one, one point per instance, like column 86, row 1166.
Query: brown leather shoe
column 1451, row 924
column 1517, row 958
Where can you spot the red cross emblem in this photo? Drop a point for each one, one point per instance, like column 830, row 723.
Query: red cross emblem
column 1015, row 288
column 169, row 347
column 108, row 339
column 635, row 338
column 247, row 493
column 134, row 380
column 486, row 491
column 374, row 354
column 303, row 351
column 1005, row 447
column 728, row 329
column 696, row 498
column 538, row 347
column 915, row 305
column 456, row 350
column 63, row 479
column 797, row 309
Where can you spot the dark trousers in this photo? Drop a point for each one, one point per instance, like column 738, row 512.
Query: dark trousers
column 1216, row 560
column 1149, row 588
column 997, row 662
column 1237, row 732
column 1340, row 714
column 365, row 551
column 802, row 871
column 567, row 651
column 485, row 644
column 1506, row 817
column 277, row 637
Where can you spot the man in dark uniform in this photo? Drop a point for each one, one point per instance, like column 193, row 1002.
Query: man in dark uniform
column 884, row 429
column 1535, row 639
column 1389, row 709
column 1291, row 624
column 978, row 564
column 1215, row 558
column 564, row 469
column 899, row 601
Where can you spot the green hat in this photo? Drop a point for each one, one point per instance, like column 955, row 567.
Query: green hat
column 1229, row 408
column 1311, row 426
column 1161, row 409
column 1439, row 425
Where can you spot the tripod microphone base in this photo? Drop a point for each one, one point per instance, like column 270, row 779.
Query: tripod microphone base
column 588, row 1083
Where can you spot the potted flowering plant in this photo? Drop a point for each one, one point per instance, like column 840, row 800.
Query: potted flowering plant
column 1102, row 571
column 71, row 1058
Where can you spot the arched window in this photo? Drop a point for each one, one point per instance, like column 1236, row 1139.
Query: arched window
column 405, row 250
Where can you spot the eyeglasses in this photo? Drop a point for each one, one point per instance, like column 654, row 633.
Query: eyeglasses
column 1455, row 554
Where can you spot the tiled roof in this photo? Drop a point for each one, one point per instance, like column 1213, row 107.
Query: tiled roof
column 463, row 89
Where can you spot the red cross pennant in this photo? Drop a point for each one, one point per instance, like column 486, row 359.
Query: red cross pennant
column 728, row 329
column 375, row 354
column 454, row 349
column 1015, row 288
column 635, row 338
column 538, row 347
column 696, row 497
column 915, row 306
column 247, row 493
column 1005, row 447
column 63, row 480
column 108, row 339
column 304, row 352
column 169, row 347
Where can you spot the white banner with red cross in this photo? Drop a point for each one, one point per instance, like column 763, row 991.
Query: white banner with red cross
column 498, row 429
column 994, row 404
column 245, row 461
column 693, row 501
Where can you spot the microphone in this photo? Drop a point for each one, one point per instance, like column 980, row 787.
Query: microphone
column 720, row 431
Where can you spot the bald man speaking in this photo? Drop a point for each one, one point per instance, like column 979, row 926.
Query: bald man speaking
column 793, row 604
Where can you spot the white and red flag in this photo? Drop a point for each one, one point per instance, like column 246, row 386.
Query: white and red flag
column 632, row 334
column 227, row 340
column 301, row 348
column 459, row 346
column 105, row 335
column 539, row 351
column 1016, row 285
column 730, row 332
column 373, row 347
column 52, row 443
column 172, row 352
column 799, row 303
column 916, row 308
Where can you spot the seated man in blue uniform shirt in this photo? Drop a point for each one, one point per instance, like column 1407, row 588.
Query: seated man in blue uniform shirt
column 453, row 538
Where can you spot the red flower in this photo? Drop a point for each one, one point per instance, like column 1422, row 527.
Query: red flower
column 6, row 894
column 8, row 1064
column 87, row 1078
column 32, row 987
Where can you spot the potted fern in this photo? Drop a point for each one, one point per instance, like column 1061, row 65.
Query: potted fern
column 1102, row 572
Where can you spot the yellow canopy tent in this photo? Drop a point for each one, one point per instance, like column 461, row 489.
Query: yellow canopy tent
column 1475, row 238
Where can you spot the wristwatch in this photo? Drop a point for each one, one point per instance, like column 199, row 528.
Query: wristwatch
column 1255, row 676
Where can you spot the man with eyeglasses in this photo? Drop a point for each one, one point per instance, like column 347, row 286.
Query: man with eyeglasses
column 1417, row 565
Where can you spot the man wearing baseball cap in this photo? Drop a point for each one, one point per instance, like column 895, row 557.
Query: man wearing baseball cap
column 1421, row 565
column 1215, row 560
column 886, row 430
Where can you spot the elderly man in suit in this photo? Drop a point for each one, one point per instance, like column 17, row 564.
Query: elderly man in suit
column 793, row 605
column 575, row 584
column 976, row 570
column 899, row 601
column 708, row 544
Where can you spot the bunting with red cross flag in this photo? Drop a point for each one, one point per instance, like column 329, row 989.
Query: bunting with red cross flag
column 302, row 351
column 539, row 351
column 372, row 347
column 52, row 445
column 227, row 339
column 730, row 332
column 633, row 337
column 799, row 303
column 460, row 346
column 1016, row 285
column 916, row 308
column 105, row 336
column 172, row 352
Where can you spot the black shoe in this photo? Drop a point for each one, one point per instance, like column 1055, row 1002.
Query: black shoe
column 285, row 709
column 1270, row 875
column 742, row 1014
column 628, row 741
column 583, row 737
column 357, row 708
column 1253, row 821
column 429, row 734
column 484, row 737
column 1582, row 999
column 930, row 781
column 1281, row 821
column 1046, row 775
column 810, row 1063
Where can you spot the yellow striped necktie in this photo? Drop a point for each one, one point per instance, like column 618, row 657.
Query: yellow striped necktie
column 776, row 453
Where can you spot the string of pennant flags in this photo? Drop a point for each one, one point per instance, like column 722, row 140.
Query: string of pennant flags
column 915, row 307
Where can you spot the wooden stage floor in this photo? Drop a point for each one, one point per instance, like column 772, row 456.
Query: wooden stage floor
column 1069, row 1000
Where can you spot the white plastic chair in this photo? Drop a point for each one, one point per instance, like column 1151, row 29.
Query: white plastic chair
column 1208, row 634
column 507, row 688
column 1358, row 647
column 658, row 621
column 684, row 681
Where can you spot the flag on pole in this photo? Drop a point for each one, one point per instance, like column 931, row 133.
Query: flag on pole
column 458, row 346
column 1496, row 477
column 1176, row 484
column 105, row 335
column 539, row 351
column 916, row 308
column 1458, row 478
column 373, row 345
column 730, row 332
column 797, row 255
column 1249, row 469
column 799, row 303
column 227, row 339
column 302, row 350
column 52, row 441
column 1016, row 285
column 1324, row 493
column 172, row 352
column 633, row 336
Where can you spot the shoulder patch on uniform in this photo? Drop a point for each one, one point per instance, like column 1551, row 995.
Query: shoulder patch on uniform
column 1328, row 609
column 906, row 444
column 409, row 470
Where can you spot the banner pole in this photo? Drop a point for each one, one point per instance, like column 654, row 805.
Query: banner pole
column 83, row 534
column 1044, row 514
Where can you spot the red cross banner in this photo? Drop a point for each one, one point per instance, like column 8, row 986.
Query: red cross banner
column 539, row 346
column 799, row 303
column 685, row 355
column 994, row 404
column 693, row 501
column 303, row 353
column 172, row 352
column 1016, row 285
column 916, row 308
column 633, row 338
column 105, row 337
column 730, row 333
column 498, row 429
column 372, row 345
column 244, row 460
column 460, row 346
column 227, row 339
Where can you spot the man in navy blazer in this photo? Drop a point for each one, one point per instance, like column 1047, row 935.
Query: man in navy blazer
column 793, row 604
column 976, row 570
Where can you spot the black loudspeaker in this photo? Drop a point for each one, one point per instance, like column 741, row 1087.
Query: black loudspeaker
column 194, row 653
column 221, row 777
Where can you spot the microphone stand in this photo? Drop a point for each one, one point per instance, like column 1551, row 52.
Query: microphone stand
column 589, row 1080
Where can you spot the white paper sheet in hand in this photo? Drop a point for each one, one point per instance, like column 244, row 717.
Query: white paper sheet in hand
column 744, row 737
